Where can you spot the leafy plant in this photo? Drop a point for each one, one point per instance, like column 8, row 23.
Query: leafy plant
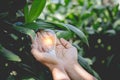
column 97, row 20
column 16, row 29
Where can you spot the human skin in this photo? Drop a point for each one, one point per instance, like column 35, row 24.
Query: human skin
column 72, row 67
column 63, row 64
column 52, row 61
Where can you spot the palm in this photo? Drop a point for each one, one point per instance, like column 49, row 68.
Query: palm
column 67, row 54
column 52, row 54
column 42, row 52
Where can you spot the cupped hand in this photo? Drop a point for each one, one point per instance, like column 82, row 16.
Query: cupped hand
column 60, row 57
column 50, row 53
column 43, row 48
column 66, row 51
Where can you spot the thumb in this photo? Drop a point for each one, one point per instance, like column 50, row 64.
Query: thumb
column 65, row 43
column 38, row 55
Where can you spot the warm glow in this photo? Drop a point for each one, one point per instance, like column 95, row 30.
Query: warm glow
column 48, row 41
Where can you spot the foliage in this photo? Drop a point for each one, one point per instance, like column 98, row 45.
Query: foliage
column 19, row 22
column 70, row 19
column 99, row 20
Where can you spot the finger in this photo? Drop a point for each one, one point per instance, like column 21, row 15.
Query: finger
column 39, row 38
column 59, row 50
column 57, row 42
column 50, row 33
column 40, row 48
column 65, row 43
column 60, row 47
column 52, row 36
column 39, row 41
column 44, row 34
column 39, row 56
column 45, row 46
column 39, row 35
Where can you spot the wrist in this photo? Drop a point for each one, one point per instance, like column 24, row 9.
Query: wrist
column 58, row 65
column 70, row 64
column 53, row 67
column 58, row 72
column 79, row 72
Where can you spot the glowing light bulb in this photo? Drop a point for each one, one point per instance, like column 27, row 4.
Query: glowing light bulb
column 50, row 41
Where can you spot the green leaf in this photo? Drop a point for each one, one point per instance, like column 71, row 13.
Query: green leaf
column 115, row 9
column 86, row 15
column 116, row 25
column 85, row 65
column 111, row 32
column 76, row 31
column 36, row 9
column 27, row 31
column 61, row 25
column 64, row 34
column 26, row 12
column 67, row 1
column 30, row 70
column 38, row 25
column 32, row 25
column 81, row 2
column 9, row 55
column 11, row 77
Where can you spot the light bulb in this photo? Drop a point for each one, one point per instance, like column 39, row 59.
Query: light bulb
column 49, row 40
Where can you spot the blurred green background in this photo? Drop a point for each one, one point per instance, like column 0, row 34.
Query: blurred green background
column 93, row 26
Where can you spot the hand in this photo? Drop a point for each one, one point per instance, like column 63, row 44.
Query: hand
column 43, row 49
column 71, row 65
column 43, row 52
column 69, row 52
column 61, row 58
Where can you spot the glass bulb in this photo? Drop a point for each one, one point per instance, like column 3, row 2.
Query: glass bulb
column 49, row 41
